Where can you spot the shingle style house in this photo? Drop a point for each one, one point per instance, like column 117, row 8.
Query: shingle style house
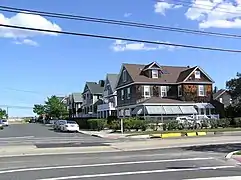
column 75, row 104
column 142, row 89
column 223, row 96
column 108, row 108
column 92, row 97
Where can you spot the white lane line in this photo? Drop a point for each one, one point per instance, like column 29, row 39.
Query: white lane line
column 103, row 164
column 136, row 173
column 219, row 178
column 17, row 137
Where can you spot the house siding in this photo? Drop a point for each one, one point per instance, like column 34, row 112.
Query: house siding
column 137, row 93
column 190, row 93
column 125, row 101
column 226, row 97
column 128, row 79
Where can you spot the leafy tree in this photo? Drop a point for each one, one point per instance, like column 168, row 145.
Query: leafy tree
column 55, row 108
column 39, row 109
column 234, row 86
column 3, row 113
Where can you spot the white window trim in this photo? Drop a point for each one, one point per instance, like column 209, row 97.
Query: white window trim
column 128, row 93
column 164, row 90
column 122, row 94
column 221, row 100
column 124, row 76
column 156, row 72
column 149, row 90
column 179, row 89
column 200, row 89
column 197, row 76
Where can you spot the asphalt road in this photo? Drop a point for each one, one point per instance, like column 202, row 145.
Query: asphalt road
column 32, row 134
column 173, row 164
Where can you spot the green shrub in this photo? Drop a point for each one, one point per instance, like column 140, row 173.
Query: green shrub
column 172, row 125
column 133, row 123
column 214, row 123
column 115, row 125
column 224, row 122
column 97, row 124
column 237, row 122
column 164, row 126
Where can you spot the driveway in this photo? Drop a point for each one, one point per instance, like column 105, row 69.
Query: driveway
column 23, row 134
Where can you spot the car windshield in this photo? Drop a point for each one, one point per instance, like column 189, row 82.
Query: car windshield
column 4, row 120
column 71, row 122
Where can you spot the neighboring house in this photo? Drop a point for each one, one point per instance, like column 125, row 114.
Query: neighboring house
column 223, row 96
column 108, row 108
column 154, row 90
column 92, row 97
column 75, row 104
column 64, row 100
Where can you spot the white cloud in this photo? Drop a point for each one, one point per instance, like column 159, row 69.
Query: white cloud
column 26, row 20
column 120, row 46
column 162, row 6
column 27, row 42
column 127, row 15
column 216, row 13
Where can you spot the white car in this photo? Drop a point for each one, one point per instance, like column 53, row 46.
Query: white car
column 5, row 122
column 68, row 125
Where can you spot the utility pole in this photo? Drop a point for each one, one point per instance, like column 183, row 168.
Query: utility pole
column 7, row 112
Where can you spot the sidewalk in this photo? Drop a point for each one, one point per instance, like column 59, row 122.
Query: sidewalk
column 109, row 135
column 104, row 134
column 119, row 146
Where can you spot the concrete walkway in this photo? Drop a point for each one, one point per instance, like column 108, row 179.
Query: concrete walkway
column 120, row 146
column 104, row 134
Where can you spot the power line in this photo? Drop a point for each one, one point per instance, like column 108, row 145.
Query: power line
column 123, row 39
column 117, row 22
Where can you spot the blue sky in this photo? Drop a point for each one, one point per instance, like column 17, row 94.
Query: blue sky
column 37, row 65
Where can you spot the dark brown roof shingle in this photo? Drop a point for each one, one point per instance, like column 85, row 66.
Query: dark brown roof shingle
column 171, row 73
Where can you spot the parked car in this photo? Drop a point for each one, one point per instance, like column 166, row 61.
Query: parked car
column 68, row 125
column 5, row 122
column 189, row 122
column 57, row 124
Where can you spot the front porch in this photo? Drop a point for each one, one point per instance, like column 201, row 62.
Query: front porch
column 106, row 110
column 169, row 111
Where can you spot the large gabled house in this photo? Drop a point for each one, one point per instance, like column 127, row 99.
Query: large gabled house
column 75, row 104
column 223, row 96
column 155, row 90
column 92, row 97
column 108, row 108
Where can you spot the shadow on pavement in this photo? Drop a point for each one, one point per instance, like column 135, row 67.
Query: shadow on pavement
column 221, row 148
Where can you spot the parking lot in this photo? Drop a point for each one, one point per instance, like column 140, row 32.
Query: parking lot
column 22, row 134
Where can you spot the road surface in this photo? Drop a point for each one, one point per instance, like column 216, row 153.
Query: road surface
column 32, row 134
column 173, row 164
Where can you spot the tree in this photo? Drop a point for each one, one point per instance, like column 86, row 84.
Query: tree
column 3, row 113
column 39, row 109
column 55, row 108
column 234, row 86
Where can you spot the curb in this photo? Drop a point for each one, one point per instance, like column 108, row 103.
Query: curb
column 229, row 155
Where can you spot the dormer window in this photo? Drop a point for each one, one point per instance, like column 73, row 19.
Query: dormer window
column 124, row 76
column 154, row 73
column 197, row 75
